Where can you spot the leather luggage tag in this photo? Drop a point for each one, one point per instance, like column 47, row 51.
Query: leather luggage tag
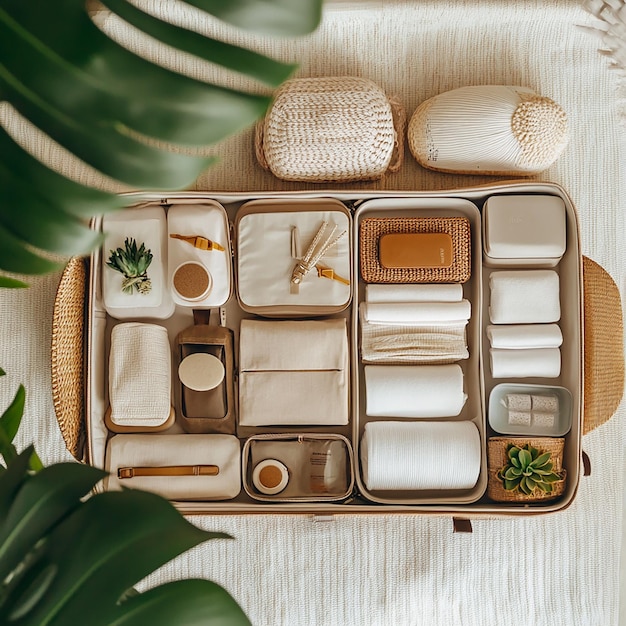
column 414, row 250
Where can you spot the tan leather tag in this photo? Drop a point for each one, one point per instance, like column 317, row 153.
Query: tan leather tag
column 413, row 250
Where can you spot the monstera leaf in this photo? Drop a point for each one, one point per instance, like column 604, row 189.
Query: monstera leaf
column 69, row 559
column 107, row 105
column 66, row 561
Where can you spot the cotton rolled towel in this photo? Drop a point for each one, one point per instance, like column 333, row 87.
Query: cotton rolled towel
column 524, row 297
column 413, row 293
column 524, row 336
column 414, row 390
column 412, row 313
column 538, row 363
column 139, row 376
column 420, row 455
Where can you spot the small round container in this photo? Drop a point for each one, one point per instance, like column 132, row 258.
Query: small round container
column 270, row 477
column 192, row 281
column 201, row 371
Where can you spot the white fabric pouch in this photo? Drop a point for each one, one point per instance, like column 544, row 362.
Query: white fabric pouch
column 177, row 467
column 293, row 373
column 139, row 378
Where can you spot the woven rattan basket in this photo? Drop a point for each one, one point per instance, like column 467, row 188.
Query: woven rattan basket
column 335, row 129
column 373, row 228
column 497, row 448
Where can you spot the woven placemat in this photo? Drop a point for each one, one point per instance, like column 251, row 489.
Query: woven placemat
column 67, row 355
column 372, row 229
column 604, row 352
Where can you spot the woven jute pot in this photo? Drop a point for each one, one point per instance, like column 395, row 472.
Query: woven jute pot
column 497, row 458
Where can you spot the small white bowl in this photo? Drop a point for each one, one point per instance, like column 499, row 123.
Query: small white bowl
column 275, row 486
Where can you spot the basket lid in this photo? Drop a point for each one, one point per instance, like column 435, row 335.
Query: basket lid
column 67, row 356
column 604, row 354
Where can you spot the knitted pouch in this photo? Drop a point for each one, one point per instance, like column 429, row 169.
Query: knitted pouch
column 335, row 129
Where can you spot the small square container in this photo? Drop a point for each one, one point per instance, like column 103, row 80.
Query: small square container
column 523, row 230
column 530, row 410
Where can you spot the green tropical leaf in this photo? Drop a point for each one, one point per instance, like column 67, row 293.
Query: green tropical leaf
column 11, row 481
column 103, row 548
column 2, row 372
column 9, row 425
column 39, row 505
column 120, row 113
column 272, row 17
column 12, row 283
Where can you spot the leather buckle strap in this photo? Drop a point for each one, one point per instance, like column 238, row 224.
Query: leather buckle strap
column 168, row 470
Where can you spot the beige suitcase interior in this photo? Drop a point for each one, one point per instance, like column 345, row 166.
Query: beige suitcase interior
column 478, row 383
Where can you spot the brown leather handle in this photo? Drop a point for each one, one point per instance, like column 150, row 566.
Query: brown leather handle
column 168, row 470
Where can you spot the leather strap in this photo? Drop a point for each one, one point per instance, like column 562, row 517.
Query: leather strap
column 168, row 470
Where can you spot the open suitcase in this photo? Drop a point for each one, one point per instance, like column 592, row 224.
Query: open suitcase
column 352, row 479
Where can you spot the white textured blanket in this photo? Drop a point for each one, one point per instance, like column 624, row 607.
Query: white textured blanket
column 401, row 570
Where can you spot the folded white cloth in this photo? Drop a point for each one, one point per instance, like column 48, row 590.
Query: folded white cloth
column 413, row 344
column 414, row 293
column 535, row 363
column 420, row 455
column 415, row 313
column 524, row 297
column 293, row 373
column 139, row 375
column 524, row 336
column 413, row 390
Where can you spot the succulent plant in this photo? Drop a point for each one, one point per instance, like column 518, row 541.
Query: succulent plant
column 527, row 470
column 132, row 263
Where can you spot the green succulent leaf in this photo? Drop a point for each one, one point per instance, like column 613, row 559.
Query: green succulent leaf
column 118, row 112
column 513, row 452
column 525, row 458
column 512, row 473
column 540, row 461
column 515, row 462
column 510, row 485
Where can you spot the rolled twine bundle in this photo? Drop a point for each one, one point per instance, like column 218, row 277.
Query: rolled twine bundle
column 488, row 129
column 420, row 455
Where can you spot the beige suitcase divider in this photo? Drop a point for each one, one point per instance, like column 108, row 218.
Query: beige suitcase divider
column 468, row 501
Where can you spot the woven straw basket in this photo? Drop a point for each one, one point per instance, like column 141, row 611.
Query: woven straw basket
column 336, row 129
column 497, row 458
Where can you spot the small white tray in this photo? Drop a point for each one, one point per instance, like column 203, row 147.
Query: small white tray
column 498, row 412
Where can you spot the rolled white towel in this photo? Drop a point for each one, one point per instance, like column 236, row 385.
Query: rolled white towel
column 524, row 336
column 414, row 293
column 524, row 297
column 412, row 313
column 537, row 363
column 420, row 455
column 414, row 390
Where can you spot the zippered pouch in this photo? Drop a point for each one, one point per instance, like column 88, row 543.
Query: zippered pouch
column 293, row 373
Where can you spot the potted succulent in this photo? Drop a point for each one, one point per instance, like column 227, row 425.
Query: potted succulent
column 526, row 470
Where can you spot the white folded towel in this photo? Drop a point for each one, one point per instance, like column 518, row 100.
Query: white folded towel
column 520, row 336
column 536, row 363
column 420, row 455
column 139, row 375
column 524, row 297
column 414, row 390
column 416, row 313
column 414, row 293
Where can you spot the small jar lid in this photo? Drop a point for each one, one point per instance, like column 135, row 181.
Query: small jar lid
column 270, row 476
column 192, row 281
column 201, row 371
